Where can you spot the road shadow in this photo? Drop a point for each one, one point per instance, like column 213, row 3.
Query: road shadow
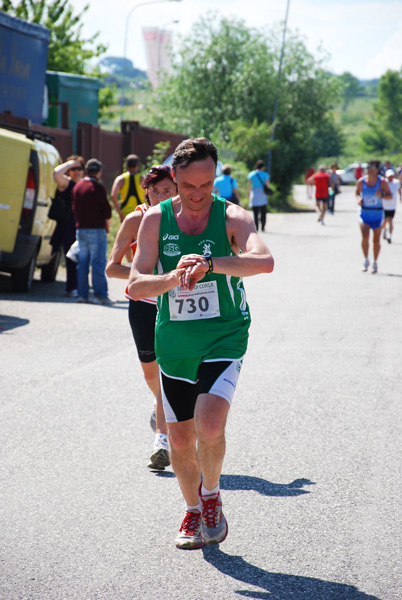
column 263, row 487
column 163, row 474
column 8, row 322
column 278, row 586
column 43, row 291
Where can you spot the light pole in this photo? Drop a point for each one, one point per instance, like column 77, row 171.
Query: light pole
column 123, row 87
column 269, row 159
column 160, row 32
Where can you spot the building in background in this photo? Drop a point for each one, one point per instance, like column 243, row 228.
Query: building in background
column 158, row 48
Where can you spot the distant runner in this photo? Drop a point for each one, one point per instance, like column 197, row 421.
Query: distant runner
column 370, row 191
column 390, row 205
column 322, row 182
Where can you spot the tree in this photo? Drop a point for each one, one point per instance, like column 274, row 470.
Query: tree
column 384, row 132
column 351, row 88
column 224, row 81
column 68, row 52
column 223, row 73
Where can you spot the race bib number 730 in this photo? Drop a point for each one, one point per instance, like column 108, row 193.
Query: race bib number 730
column 201, row 303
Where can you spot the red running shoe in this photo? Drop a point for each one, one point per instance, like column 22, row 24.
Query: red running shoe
column 214, row 527
column 189, row 536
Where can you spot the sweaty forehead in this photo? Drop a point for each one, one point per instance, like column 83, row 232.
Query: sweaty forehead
column 197, row 170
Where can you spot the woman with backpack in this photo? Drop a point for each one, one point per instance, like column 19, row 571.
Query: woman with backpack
column 257, row 179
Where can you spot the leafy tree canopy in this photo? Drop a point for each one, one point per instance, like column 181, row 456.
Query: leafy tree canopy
column 68, row 52
column 384, row 132
column 223, row 86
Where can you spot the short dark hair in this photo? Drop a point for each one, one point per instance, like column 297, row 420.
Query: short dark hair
column 226, row 169
column 156, row 174
column 374, row 163
column 93, row 165
column 190, row 151
column 132, row 161
column 260, row 164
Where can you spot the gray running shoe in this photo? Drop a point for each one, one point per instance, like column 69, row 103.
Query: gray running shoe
column 152, row 420
column 159, row 460
column 214, row 527
column 160, row 455
column 189, row 537
column 365, row 265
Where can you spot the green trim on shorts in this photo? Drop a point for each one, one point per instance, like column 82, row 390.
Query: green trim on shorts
column 187, row 368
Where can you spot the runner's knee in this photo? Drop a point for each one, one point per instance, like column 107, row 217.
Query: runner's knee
column 182, row 441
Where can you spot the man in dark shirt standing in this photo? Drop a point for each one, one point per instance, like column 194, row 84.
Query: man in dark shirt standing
column 92, row 213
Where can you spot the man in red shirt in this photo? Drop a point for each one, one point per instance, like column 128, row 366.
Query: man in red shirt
column 359, row 171
column 322, row 181
column 92, row 213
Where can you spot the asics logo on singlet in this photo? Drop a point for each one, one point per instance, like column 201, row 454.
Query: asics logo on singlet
column 170, row 237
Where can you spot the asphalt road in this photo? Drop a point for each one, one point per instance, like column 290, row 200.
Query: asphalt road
column 311, row 483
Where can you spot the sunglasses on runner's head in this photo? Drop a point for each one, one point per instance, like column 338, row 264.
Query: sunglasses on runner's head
column 158, row 168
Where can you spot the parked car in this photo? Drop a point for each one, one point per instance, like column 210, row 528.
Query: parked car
column 347, row 175
column 26, row 190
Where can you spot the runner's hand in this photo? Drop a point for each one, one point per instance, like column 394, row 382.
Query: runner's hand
column 195, row 267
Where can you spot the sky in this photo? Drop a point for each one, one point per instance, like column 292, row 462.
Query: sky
column 363, row 38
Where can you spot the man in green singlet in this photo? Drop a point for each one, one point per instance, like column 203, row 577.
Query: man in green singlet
column 193, row 252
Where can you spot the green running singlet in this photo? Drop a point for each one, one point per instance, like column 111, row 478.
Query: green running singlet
column 213, row 320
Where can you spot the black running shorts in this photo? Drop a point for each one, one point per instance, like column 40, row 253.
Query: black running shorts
column 142, row 316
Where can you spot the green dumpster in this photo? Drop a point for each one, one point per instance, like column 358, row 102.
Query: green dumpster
column 80, row 92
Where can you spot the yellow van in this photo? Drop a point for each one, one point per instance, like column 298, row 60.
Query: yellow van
column 26, row 189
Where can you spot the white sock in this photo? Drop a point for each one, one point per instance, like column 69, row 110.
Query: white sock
column 161, row 438
column 194, row 508
column 205, row 492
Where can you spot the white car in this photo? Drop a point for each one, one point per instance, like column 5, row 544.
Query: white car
column 347, row 175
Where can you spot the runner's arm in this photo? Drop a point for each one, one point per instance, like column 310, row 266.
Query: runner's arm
column 386, row 192
column 252, row 255
column 126, row 235
column 114, row 194
column 143, row 283
column 60, row 173
column 359, row 192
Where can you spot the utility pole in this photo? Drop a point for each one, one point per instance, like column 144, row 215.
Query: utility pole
column 269, row 159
